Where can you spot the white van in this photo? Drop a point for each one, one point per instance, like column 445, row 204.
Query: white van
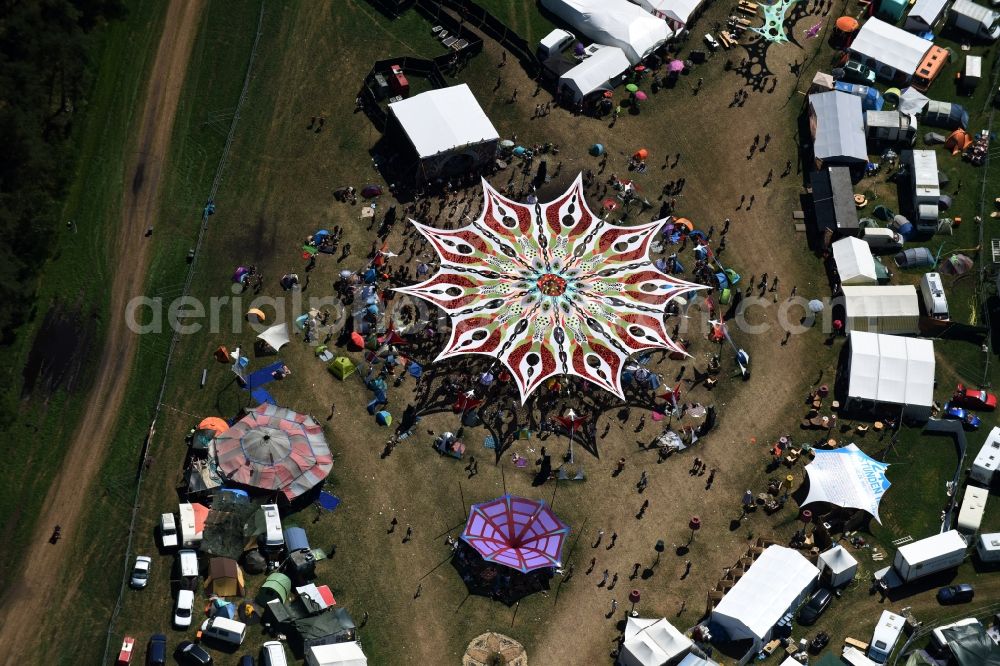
column 555, row 43
column 188, row 563
column 273, row 536
column 887, row 632
column 223, row 629
column 932, row 290
column 882, row 240
column 168, row 530
column 273, row 654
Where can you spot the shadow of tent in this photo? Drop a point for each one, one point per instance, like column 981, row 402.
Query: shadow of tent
column 496, row 581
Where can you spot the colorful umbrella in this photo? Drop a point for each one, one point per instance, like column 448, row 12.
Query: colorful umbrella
column 240, row 274
column 274, row 449
column 214, row 423
column 371, row 191
column 383, row 418
column 675, row 66
column 516, row 532
column 641, row 96
column 631, row 87
column 640, row 68
column 642, row 153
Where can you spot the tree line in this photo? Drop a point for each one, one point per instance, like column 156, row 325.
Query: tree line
column 46, row 71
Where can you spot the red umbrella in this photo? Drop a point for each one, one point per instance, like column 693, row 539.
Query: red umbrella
column 357, row 340
column 608, row 94
column 640, row 68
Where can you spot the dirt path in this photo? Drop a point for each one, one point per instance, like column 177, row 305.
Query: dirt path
column 33, row 592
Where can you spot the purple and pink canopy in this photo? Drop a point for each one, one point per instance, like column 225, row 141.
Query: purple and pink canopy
column 520, row 533
column 274, row 448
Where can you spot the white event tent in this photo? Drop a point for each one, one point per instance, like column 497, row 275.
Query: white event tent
column 837, row 124
column 888, row 309
column 595, row 73
column 651, row 642
column 336, row 654
column 441, row 120
column 889, row 50
column 837, row 566
column 677, row 12
column 854, row 260
column 847, row 477
column 774, row 585
column 614, row 23
column 891, row 369
column 276, row 336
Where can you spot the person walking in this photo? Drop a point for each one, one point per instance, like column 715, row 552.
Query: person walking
column 614, row 538
column 600, row 535
column 420, row 587
column 614, row 581
column 614, row 606
column 635, row 571
column 604, row 578
column 409, row 533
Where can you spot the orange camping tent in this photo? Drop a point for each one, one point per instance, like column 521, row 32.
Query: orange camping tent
column 958, row 141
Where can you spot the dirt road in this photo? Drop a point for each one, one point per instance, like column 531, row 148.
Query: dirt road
column 35, row 587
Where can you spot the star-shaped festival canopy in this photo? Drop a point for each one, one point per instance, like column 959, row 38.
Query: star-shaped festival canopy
column 550, row 289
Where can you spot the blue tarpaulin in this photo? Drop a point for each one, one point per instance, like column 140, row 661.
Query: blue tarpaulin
column 328, row 501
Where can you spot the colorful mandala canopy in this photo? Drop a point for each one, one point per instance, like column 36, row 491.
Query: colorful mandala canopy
column 550, row 289
column 520, row 533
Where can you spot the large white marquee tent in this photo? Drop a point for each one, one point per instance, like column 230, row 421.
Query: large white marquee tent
column 595, row 73
column 891, row 369
column 888, row 309
column 774, row 585
column 889, row 49
column 614, row 23
column 441, row 120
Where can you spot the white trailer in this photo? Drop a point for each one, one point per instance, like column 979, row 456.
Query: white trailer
column 932, row 290
column 923, row 558
column 884, row 638
column 970, row 516
column 988, row 547
column 984, row 467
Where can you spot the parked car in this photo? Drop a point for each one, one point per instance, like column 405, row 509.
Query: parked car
column 855, row 72
column 140, row 571
column 956, row 594
column 168, row 530
column 969, row 420
column 192, row 653
column 817, row 603
column 156, row 651
column 974, row 398
column 247, row 660
column 183, row 609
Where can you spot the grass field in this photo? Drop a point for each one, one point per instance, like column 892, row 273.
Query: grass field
column 277, row 189
column 72, row 285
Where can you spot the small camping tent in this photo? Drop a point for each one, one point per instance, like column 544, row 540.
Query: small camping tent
column 914, row 257
column 958, row 141
column 277, row 586
column 342, row 368
column 946, row 114
column 275, row 337
column 225, row 578
column 837, row 566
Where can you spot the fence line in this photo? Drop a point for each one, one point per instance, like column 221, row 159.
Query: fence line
column 223, row 160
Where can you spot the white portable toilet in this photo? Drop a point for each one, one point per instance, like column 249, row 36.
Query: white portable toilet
column 837, row 567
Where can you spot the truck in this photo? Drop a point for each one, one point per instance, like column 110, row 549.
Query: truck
column 885, row 636
column 984, row 467
column 923, row 558
column 970, row 516
column 932, row 291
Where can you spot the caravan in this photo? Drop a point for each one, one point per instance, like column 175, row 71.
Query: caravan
column 272, row 538
column 932, row 290
column 988, row 547
column 984, row 467
column 886, row 634
column 970, row 516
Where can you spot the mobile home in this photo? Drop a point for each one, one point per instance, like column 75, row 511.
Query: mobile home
column 932, row 290
column 885, row 636
column 970, row 516
column 984, row 467
column 190, row 536
column 923, row 173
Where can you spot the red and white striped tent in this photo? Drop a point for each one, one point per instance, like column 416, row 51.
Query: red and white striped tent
column 274, row 448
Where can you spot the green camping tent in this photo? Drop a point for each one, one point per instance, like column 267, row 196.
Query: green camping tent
column 342, row 368
column 277, row 586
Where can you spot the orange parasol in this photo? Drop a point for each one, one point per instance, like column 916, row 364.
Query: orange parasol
column 214, row 423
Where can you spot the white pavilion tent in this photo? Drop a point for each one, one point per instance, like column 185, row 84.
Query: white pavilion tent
column 837, row 566
column 276, row 336
column 854, row 260
column 650, row 642
column 924, row 14
column 441, row 120
column 774, row 585
column 614, row 23
column 596, row 72
column 891, row 51
column 677, row 12
column 336, row 654
column 837, row 123
column 892, row 309
column 890, row 369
